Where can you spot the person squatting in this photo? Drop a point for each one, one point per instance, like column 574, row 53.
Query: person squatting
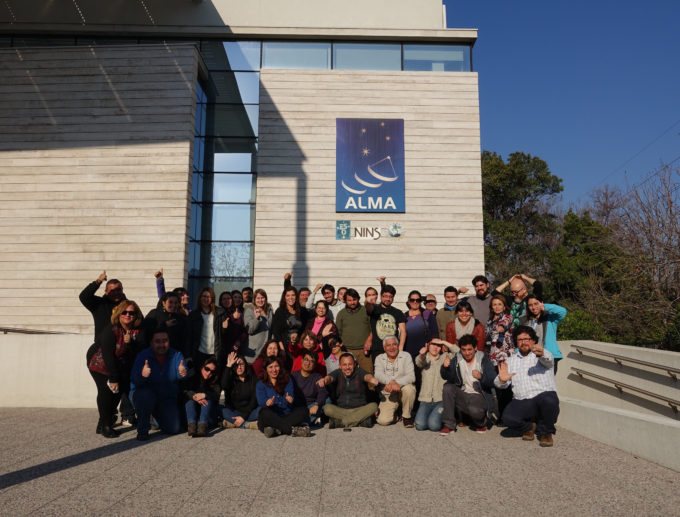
column 322, row 357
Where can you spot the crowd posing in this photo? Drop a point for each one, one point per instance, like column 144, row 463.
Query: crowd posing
column 322, row 356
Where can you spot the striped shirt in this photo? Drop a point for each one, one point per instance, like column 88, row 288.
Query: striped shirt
column 534, row 375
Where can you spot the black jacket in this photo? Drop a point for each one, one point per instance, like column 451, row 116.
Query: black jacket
column 178, row 332
column 100, row 306
column 241, row 396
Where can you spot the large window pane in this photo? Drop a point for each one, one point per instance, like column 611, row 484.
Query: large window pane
column 234, row 162
column 197, row 187
column 366, row 56
column 235, row 120
column 231, row 259
column 235, row 188
column 233, row 222
column 231, row 55
column 437, row 58
column 199, row 153
column 196, row 221
column 276, row 54
column 236, row 87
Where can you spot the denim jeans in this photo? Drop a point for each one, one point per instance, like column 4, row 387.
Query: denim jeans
column 202, row 414
column 148, row 402
column 429, row 416
column 229, row 415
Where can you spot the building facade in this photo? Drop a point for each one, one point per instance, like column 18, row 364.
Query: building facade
column 203, row 138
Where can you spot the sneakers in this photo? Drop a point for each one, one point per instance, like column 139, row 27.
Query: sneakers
column 408, row 422
column 529, row 435
column 479, row 429
column 335, row 423
column 227, row 424
column 546, row 440
column 302, row 430
column 202, row 430
column 445, row 431
column 191, row 428
column 128, row 422
column 252, row 425
column 270, row 432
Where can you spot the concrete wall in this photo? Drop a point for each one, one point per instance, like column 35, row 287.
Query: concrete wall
column 95, row 164
column 197, row 16
column 295, row 227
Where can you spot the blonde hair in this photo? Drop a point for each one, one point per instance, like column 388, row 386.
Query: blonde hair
column 118, row 310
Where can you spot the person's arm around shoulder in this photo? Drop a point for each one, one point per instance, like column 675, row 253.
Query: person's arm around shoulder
column 556, row 313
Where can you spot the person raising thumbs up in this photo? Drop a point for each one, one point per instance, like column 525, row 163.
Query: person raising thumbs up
column 156, row 374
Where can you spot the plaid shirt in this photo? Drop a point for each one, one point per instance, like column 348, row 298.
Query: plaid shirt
column 534, row 375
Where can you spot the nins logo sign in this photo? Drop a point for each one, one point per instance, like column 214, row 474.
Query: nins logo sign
column 369, row 166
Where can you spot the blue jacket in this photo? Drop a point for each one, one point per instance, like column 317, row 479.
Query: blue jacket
column 281, row 406
column 164, row 380
column 552, row 316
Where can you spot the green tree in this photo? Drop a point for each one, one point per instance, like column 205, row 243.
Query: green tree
column 519, row 224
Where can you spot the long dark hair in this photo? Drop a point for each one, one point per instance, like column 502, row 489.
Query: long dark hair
column 284, row 305
column 281, row 354
column 212, row 379
column 420, row 305
column 281, row 380
column 247, row 372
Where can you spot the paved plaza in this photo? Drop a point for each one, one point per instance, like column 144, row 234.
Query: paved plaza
column 53, row 463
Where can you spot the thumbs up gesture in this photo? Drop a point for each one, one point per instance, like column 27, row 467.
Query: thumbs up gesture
column 146, row 369
column 182, row 370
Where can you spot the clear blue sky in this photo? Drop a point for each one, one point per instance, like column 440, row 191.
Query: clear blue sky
column 585, row 85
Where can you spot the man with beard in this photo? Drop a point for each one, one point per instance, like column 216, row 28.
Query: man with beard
column 481, row 299
column 386, row 320
column 518, row 295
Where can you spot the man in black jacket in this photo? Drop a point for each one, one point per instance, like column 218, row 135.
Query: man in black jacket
column 101, row 307
column 469, row 375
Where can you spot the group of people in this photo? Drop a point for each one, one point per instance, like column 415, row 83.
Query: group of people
column 322, row 356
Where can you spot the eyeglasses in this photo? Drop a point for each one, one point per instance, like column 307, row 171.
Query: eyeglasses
column 238, row 365
column 307, row 360
column 128, row 313
column 211, row 370
column 523, row 339
column 415, row 300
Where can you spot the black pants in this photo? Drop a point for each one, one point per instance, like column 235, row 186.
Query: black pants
column 543, row 409
column 107, row 401
column 268, row 418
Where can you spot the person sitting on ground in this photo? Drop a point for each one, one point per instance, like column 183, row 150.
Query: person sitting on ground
column 308, row 343
column 348, row 393
column 430, row 360
column 156, row 374
column 535, row 406
column 306, row 388
column 240, row 396
column 322, row 325
column 394, row 371
column 110, row 365
column 272, row 349
column 469, row 379
column 275, row 396
column 465, row 323
column 202, row 396
column 544, row 319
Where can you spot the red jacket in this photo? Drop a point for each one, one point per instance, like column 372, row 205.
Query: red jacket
column 478, row 331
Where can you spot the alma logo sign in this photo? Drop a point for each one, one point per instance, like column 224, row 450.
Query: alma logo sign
column 369, row 165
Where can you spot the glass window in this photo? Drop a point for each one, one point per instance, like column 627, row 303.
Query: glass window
column 366, row 56
column 194, row 256
column 437, row 58
column 197, row 187
column 233, row 222
column 236, row 87
column 235, row 120
column 231, row 259
column 229, row 284
column 235, row 188
column 234, row 162
column 196, row 221
column 231, row 55
column 199, row 153
column 278, row 54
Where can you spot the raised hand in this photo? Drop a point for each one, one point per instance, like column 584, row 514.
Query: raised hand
column 381, row 279
column 101, row 277
column 326, row 330
column 146, row 369
column 503, row 374
column 462, row 290
column 181, row 369
column 423, row 351
column 231, row 359
column 537, row 350
column 287, row 276
column 158, row 274
column 317, row 287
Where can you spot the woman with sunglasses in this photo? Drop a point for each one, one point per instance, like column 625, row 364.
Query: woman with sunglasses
column 110, row 365
column 240, row 397
column 421, row 325
column 202, row 394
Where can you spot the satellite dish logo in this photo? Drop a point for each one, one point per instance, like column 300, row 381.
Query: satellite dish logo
column 369, row 165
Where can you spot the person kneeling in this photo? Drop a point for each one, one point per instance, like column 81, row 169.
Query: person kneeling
column 470, row 376
column 347, row 387
column 534, row 407
column 278, row 413
column 394, row 370
column 155, row 375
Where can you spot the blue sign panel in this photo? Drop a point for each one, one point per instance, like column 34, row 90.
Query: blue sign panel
column 369, row 165
column 342, row 230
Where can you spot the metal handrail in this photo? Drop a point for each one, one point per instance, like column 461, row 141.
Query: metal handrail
column 621, row 386
column 6, row 330
column 673, row 372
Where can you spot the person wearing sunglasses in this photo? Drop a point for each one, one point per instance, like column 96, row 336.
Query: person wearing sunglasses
column 202, row 394
column 116, row 347
column 421, row 325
